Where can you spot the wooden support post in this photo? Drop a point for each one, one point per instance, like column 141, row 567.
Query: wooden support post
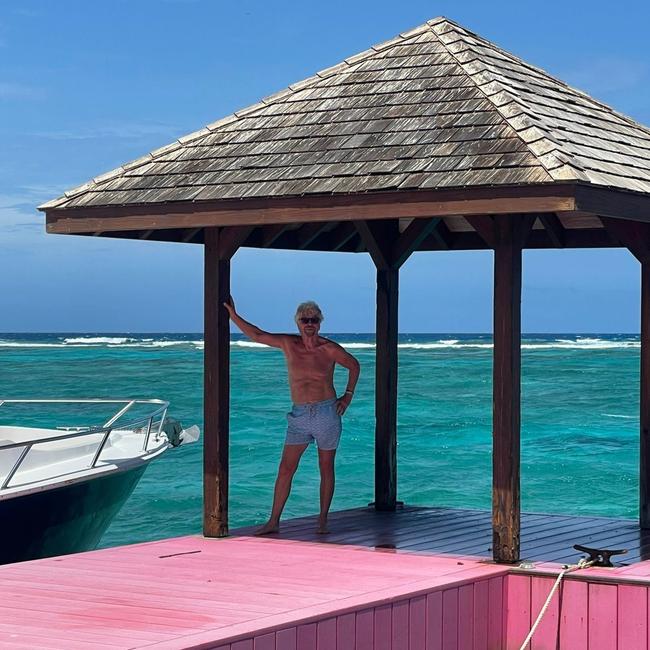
column 506, row 388
column 389, row 250
column 386, row 390
column 636, row 236
column 644, row 399
column 216, row 387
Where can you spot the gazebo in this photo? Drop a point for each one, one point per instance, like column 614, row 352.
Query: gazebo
column 434, row 140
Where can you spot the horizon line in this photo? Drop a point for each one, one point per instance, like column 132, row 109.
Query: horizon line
column 201, row 333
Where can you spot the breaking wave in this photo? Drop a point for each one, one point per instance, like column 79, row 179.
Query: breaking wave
column 478, row 343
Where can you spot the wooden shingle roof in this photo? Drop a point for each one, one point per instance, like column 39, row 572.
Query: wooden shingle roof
column 436, row 107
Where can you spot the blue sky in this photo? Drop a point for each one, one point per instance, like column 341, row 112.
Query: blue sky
column 86, row 86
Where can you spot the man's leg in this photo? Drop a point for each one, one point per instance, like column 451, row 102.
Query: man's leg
column 326, row 465
column 288, row 465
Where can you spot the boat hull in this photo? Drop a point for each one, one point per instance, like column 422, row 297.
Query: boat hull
column 66, row 519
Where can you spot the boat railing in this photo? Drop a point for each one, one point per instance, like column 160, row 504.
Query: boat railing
column 147, row 425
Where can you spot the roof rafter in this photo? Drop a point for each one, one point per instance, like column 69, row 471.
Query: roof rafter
column 554, row 229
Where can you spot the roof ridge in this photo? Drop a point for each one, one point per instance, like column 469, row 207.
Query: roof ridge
column 549, row 154
column 304, row 84
column 602, row 105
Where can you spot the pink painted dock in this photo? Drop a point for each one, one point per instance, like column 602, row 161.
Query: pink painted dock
column 245, row 593
column 296, row 593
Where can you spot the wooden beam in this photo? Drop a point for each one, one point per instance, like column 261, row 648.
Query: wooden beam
column 524, row 227
column 633, row 235
column 386, row 390
column 461, row 241
column 506, row 390
column 146, row 234
column 341, row 235
column 608, row 202
column 216, row 387
column 377, row 241
column 306, row 234
column 484, row 226
column 574, row 238
column 443, row 236
column 554, row 229
column 190, row 234
column 231, row 238
column 353, row 207
column 409, row 241
column 269, row 234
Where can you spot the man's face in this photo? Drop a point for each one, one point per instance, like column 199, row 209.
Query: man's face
column 309, row 323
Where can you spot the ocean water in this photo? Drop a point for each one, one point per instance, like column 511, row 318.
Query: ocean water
column 579, row 421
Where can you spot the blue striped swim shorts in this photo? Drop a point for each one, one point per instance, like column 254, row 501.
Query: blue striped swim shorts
column 317, row 421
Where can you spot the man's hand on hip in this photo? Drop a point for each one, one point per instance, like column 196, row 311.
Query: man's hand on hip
column 342, row 403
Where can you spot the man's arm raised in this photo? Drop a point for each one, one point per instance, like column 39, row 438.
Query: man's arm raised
column 252, row 331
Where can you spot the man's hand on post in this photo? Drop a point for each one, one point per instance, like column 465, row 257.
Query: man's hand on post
column 230, row 306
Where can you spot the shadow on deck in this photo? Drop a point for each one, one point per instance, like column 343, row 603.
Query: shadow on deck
column 544, row 538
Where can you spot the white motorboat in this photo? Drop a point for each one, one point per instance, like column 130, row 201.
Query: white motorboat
column 60, row 486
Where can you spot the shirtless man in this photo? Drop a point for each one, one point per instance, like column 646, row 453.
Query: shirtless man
column 316, row 413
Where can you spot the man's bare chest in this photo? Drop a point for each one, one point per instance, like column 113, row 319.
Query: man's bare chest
column 309, row 361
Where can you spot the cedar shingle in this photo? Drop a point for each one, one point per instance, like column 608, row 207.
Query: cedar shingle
column 434, row 107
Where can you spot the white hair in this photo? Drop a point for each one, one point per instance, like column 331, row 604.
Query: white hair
column 308, row 307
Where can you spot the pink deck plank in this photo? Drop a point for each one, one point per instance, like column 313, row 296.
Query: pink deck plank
column 38, row 642
column 434, row 621
column 603, row 609
column 417, row 623
column 364, row 629
column 400, row 626
column 518, row 610
column 264, row 642
column 382, row 627
column 345, row 632
column 45, row 631
column 306, row 637
column 450, row 619
column 242, row 645
column 326, row 634
column 495, row 612
column 545, row 636
column 480, row 615
column 166, row 597
column 575, row 615
column 632, row 618
column 286, row 639
column 465, row 617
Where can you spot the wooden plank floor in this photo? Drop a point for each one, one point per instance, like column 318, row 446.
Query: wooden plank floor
column 192, row 592
column 544, row 538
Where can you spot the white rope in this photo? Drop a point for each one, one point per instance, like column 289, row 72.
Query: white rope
column 582, row 564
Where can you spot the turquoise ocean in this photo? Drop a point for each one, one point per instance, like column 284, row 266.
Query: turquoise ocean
column 579, row 421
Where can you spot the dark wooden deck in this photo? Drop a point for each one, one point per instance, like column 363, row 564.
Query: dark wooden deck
column 544, row 538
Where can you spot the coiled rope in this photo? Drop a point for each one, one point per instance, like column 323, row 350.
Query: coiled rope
column 582, row 564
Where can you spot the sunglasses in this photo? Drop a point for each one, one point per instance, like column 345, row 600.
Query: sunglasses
column 309, row 321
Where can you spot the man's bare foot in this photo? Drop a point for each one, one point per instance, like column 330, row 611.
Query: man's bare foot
column 268, row 529
column 322, row 528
